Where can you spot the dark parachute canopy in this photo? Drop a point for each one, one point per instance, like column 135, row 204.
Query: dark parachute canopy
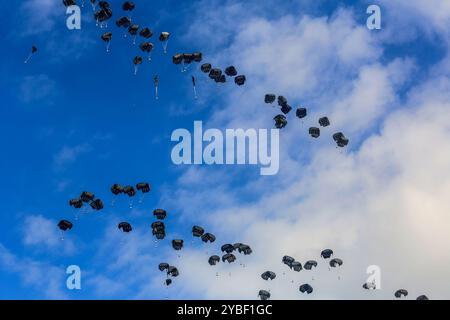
column 369, row 286
column 164, row 38
column 422, row 297
column 301, row 113
column 177, row 58
column 288, row 260
column 206, row 67
column 158, row 230
column 96, row 204
column 326, row 254
column 197, row 231
column 107, row 36
column 125, row 226
column 173, row 271
column 104, row 13
column 269, row 98
column 144, row 187
column 163, row 266
column 213, row 260
column 314, row 132
column 146, row 33
column 33, row 51
column 264, row 295
column 128, row 6
column 280, row 121
column 87, row 196
column 340, row 139
column 215, row 73
column 133, row 29
column 324, row 122
column 310, row 264
column 306, row 288
column 229, row 257
column 296, row 266
column 65, row 225
column 228, row 248
column 168, row 282
column 336, row 262
column 240, row 80
column 231, row 71
column 208, row 237
column 147, row 47
column 117, row 189
column 268, row 275
column 286, row 109
column 401, row 292
column 177, row 244
column 123, row 22
column 282, row 101
column 76, row 203
column 130, row 191
column 160, row 214
column 245, row 249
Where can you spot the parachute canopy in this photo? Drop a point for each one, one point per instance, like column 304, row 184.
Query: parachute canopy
column 125, row 226
column 213, row 260
column 401, row 293
column 314, row 132
column 229, row 257
column 268, row 275
column 324, row 122
column 280, row 121
column 306, row 288
column 301, row 113
column 326, row 254
column 160, row 214
column 65, row 225
column 270, row 98
column 310, row 264
column 197, row 231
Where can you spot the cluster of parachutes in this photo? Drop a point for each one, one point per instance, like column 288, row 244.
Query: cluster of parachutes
column 219, row 76
column 86, row 197
column 301, row 112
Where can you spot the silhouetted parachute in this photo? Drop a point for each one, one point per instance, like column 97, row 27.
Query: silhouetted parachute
column 76, row 203
column 422, row 297
column 221, row 79
column 128, row 6
column 33, row 51
column 326, row 254
column 336, row 262
column 206, row 67
column 240, row 80
column 96, row 204
column 65, row 225
column 340, row 139
column 314, row 132
column 197, row 56
column 269, row 98
column 146, row 33
column 163, row 266
column 87, row 196
column 215, row 73
column 117, row 189
column 144, row 187
column 197, row 231
column 208, row 237
column 282, row 101
column 123, row 22
column 103, row 4
column 245, row 249
column 264, row 295
column 268, row 275
column 229, row 257
column 125, row 227
column 177, row 244
column 213, row 260
column 401, row 293
column 280, row 121
column 69, row 3
column 301, row 113
column 130, row 191
column 133, row 31
column 310, row 264
column 173, row 271
column 231, row 71
column 324, row 122
column 286, row 108
column 104, row 14
column 306, row 288
column 228, row 248
column 287, row 260
column 106, row 37
column 296, row 266
column 160, row 214
column 168, row 282
column 159, row 230
column 369, row 286
column 177, row 58
column 164, row 38
column 94, row 4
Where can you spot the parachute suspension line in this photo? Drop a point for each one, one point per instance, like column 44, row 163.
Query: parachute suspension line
column 130, row 204
column 113, row 202
column 141, row 198
column 82, row 3
column 107, row 46
column 195, row 93
column 134, row 40
column 165, row 43
column 150, row 56
column 28, row 58
column 136, row 69
column 94, row 6
column 61, row 235
column 156, row 93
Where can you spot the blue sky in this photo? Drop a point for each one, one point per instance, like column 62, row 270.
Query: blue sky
column 76, row 118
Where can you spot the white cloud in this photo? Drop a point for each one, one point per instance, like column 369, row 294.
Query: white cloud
column 36, row 88
column 69, row 154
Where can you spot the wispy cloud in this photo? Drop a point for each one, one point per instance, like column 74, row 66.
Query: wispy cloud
column 36, row 88
column 69, row 154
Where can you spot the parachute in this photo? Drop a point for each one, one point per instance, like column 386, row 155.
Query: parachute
column 310, row 264
column 133, row 30
column 221, row 79
column 65, row 225
column 96, row 204
column 240, row 80
column 229, row 257
column 87, row 196
column 125, row 226
column 287, row 260
column 228, row 248
column 164, row 38
column 296, row 266
column 129, row 190
column 123, row 22
column 33, row 51
column 306, row 288
column 326, row 254
column 172, row 271
column 160, row 214
column 215, row 73
column 163, row 266
column 156, row 84
column 213, row 260
column 264, row 295
column 177, row 58
column 128, row 6
column 106, row 37
column 324, row 122
column 197, row 231
column 401, row 292
column 336, row 263
column 268, row 275
column 76, row 203
column 206, row 67
column 301, row 113
column 177, row 244
column 245, row 249
column 158, row 230
column 104, row 14
column 144, row 187
column 369, row 286
column 286, row 108
column 208, row 237
column 340, row 139
column 137, row 61
column 282, row 101
column 146, row 33
column 168, row 282
column 280, row 121
column 117, row 189
column 422, row 297
column 314, row 132
column 270, row 98
column 231, row 71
